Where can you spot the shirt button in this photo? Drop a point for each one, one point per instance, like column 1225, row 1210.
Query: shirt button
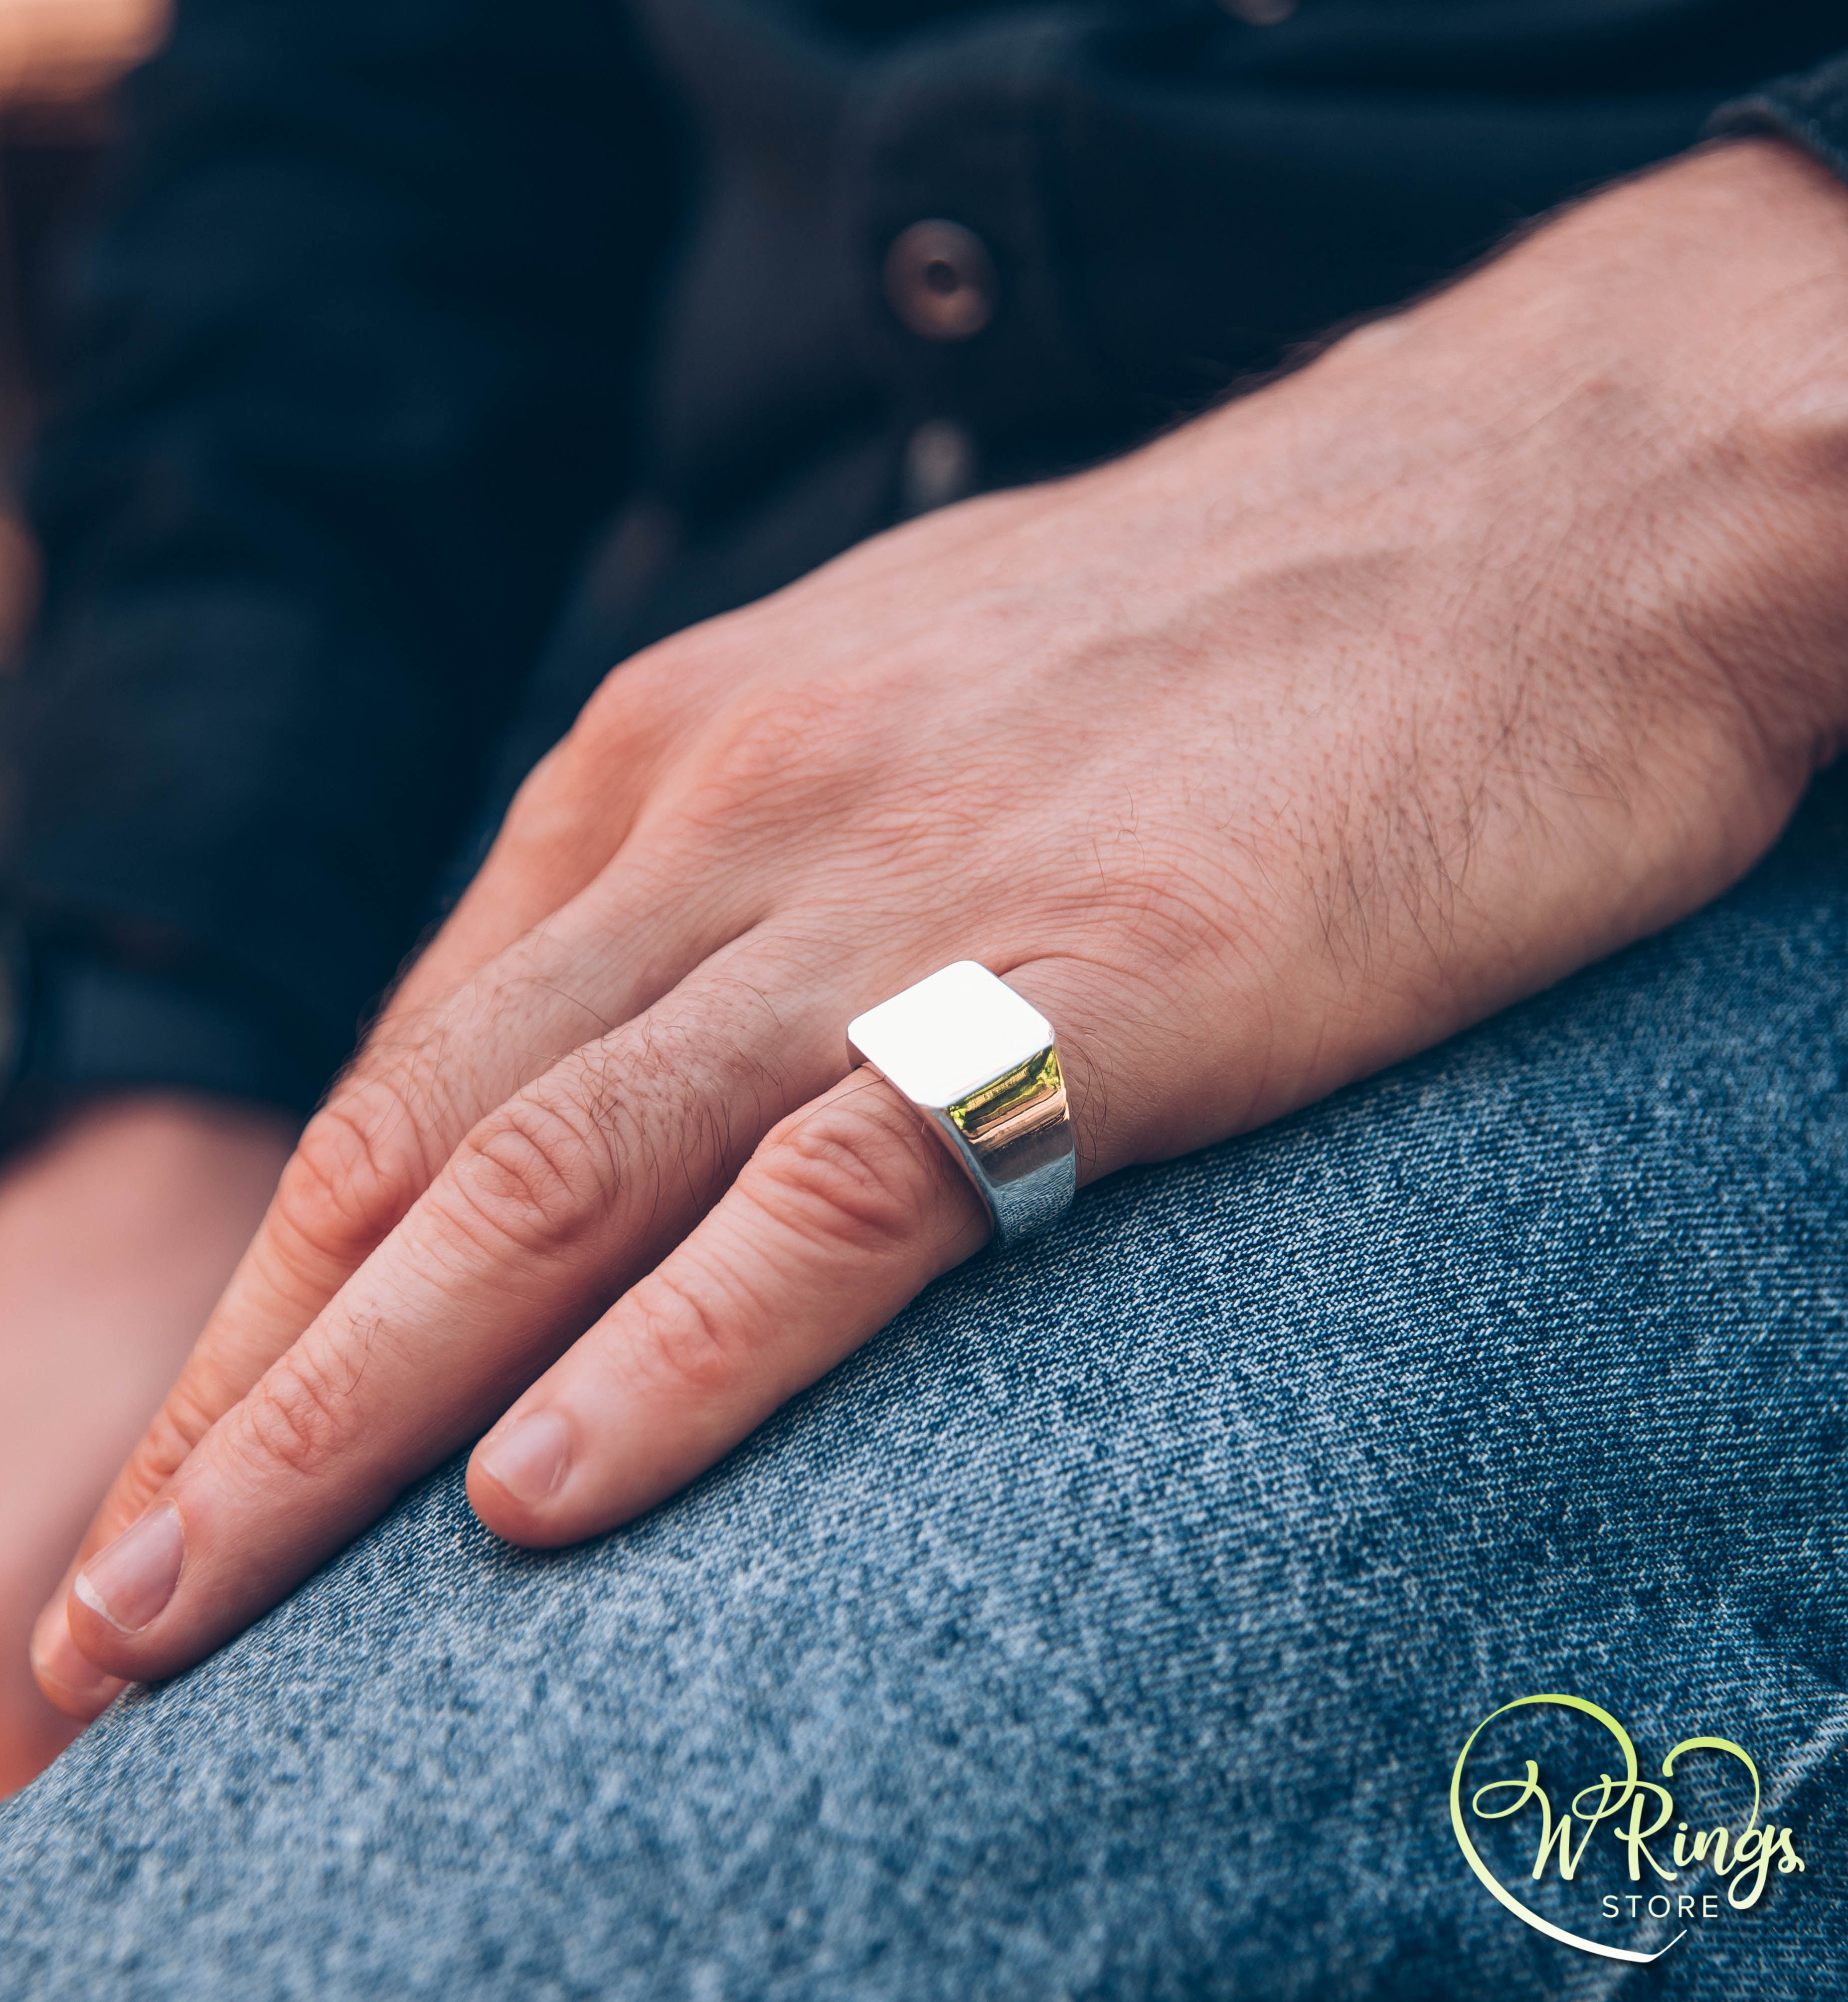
column 940, row 282
column 938, row 466
column 1260, row 13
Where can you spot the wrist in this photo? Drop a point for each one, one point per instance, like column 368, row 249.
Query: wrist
column 1682, row 341
column 1579, row 523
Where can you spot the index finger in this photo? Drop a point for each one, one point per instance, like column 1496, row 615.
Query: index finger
column 555, row 1203
column 386, row 1131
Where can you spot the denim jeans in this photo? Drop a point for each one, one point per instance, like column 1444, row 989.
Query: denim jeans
column 1110, row 1627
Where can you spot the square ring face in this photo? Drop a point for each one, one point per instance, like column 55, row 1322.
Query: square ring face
column 950, row 1035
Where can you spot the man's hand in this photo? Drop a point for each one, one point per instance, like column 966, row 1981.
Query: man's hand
column 117, row 1234
column 1509, row 631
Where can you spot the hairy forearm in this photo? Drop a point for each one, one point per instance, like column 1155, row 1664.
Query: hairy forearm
column 1669, row 360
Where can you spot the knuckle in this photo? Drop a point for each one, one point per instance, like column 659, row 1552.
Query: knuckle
column 770, row 747
column 563, row 810
column 181, row 1421
column 636, row 708
column 355, row 1171
column 296, row 1416
column 845, row 1171
column 688, row 1337
column 186, row 1414
column 546, row 796
column 535, row 1169
column 170, row 1437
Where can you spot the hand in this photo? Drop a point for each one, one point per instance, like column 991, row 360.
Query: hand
column 116, row 1233
column 1507, row 632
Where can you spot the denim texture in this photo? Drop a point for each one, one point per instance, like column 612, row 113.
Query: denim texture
column 1109, row 1626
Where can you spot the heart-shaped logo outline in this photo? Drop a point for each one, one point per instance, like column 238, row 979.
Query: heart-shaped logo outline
column 1632, row 1775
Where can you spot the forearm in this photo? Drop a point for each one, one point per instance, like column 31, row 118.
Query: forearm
column 1665, row 433
column 1652, row 389
column 1681, row 344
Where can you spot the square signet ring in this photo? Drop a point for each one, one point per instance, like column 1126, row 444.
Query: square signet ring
column 982, row 1065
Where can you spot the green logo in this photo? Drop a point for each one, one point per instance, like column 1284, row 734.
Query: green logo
column 1641, row 1814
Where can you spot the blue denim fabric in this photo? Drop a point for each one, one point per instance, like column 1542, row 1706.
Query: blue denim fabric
column 1109, row 1627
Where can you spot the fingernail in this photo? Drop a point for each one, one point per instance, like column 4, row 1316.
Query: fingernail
column 69, row 1679
column 129, row 1581
column 530, row 1458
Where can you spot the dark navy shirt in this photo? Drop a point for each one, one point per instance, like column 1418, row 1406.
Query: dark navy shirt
column 429, row 356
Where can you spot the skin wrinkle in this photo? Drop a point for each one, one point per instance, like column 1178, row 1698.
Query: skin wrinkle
column 528, row 1175
column 855, row 1161
column 687, row 1344
column 411, row 1088
column 440, row 1249
column 338, row 1195
column 295, row 1417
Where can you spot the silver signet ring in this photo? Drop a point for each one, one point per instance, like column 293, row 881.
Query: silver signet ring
column 981, row 1065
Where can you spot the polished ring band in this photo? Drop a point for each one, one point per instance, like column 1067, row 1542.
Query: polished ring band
column 982, row 1066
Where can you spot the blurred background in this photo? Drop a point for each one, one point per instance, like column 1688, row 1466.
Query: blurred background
column 59, row 61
